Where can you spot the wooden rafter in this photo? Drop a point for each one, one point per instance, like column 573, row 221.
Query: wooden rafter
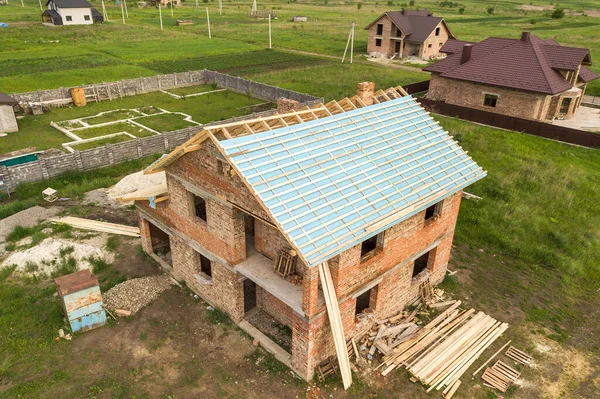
column 305, row 114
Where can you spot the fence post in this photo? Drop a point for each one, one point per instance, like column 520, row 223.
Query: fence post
column 109, row 152
column 45, row 174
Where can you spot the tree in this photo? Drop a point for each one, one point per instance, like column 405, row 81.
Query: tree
column 359, row 6
column 490, row 10
column 558, row 13
column 461, row 10
column 412, row 3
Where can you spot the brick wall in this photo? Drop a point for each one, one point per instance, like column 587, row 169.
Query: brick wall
column 387, row 46
column 273, row 306
column 515, row 103
column 436, row 42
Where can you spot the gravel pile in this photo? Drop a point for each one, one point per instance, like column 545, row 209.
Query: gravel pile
column 134, row 294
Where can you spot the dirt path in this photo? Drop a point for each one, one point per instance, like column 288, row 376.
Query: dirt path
column 356, row 60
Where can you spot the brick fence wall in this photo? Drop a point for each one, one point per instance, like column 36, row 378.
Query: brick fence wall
column 111, row 154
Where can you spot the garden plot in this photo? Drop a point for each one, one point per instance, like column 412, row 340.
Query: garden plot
column 115, row 126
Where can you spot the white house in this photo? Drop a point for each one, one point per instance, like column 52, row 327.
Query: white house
column 70, row 12
column 8, row 121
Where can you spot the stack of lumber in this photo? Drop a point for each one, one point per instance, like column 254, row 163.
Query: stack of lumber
column 94, row 225
column 519, row 356
column 442, row 351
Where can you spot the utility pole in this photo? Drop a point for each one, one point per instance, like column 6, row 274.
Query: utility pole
column 350, row 43
column 104, row 14
column 41, row 9
column 254, row 8
column 22, row 4
column 122, row 12
column 220, row 7
column 208, row 22
column 126, row 12
column 270, row 45
column 172, row 7
column 160, row 14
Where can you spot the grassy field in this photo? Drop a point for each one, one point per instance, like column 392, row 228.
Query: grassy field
column 38, row 57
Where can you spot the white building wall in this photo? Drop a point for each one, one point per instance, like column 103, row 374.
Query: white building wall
column 76, row 14
column 8, row 121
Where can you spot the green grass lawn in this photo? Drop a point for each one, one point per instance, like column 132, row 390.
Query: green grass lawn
column 186, row 91
column 99, row 143
column 112, row 116
column 165, row 122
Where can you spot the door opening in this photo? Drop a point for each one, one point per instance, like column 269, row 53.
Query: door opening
column 249, row 295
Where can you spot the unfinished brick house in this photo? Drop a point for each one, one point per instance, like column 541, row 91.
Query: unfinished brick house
column 325, row 218
column 415, row 33
column 528, row 78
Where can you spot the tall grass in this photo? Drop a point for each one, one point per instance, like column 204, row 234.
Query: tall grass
column 72, row 184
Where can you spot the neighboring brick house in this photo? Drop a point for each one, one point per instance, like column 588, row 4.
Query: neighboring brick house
column 406, row 33
column 528, row 78
column 370, row 186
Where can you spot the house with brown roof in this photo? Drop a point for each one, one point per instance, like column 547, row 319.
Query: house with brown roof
column 528, row 78
column 406, row 33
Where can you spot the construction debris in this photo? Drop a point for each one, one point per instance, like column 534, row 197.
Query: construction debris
column 94, row 225
column 519, row 356
column 129, row 297
column 438, row 353
column 326, row 368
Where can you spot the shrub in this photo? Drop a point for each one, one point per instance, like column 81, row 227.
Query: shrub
column 390, row 3
column 359, row 6
column 532, row 22
column 490, row 10
column 461, row 10
column 412, row 3
column 558, row 13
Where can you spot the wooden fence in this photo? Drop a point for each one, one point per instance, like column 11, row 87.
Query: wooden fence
column 536, row 128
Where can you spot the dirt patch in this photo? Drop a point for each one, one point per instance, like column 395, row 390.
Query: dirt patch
column 27, row 218
column 281, row 334
column 531, row 7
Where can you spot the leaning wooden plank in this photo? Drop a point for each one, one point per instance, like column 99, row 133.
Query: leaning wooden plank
column 94, row 225
column 396, row 329
column 452, row 390
column 491, row 357
column 335, row 320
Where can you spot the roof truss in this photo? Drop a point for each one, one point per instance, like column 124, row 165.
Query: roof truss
column 235, row 129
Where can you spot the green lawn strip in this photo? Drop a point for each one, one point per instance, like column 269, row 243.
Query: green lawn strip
column 64, row 62
column 112, row 116
column 165, row 122
column 71, row 184
column 228, row 62
column 99, row 131
column 98, row 143
column 69, row 78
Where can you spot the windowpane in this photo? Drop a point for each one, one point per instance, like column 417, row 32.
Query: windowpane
column 420, row 264
column 378, row 42
column 490, row 100
column 368, row 245
column 379, row 29
column 205, row 265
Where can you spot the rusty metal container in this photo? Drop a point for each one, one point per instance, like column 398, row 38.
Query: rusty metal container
column 81, row 300
column 78, row 95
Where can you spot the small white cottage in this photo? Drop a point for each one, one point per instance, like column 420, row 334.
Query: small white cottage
column 70, row 12
column 8, row 121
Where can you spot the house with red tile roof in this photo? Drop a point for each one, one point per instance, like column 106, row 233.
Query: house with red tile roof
column 407, row 33
column 529, row 78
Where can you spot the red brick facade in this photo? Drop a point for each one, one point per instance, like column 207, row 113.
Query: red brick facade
column 387, row 271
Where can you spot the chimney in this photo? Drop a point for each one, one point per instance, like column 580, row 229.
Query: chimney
column 466, row 53
column 285, row 105
column 366, row 91
column 525, row 36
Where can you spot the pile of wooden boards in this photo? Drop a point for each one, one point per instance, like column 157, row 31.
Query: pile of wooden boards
column 439, row 353
column 389, row 333
column 500, row 376
column 94, row 225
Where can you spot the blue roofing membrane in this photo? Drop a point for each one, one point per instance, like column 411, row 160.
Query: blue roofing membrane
column 333, row 182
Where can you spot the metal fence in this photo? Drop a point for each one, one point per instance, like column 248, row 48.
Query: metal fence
column 536, row 128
